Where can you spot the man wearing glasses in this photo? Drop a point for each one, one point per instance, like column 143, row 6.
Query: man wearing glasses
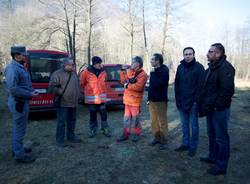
column 134, row 81
column 187, row 85
column 215, row 102
column 65, row 85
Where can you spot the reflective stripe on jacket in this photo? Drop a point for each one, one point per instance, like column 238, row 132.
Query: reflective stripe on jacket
column 94, row 87
column 133, row 94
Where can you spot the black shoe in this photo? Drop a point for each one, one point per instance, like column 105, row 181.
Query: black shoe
column 75, row 140
column 215, row 171
column 26, row 159
column 122, row 138
column 154, row 142
column 26, row 150
column 182, row 148
column 163, row 147
column 135, row 137
column 191, row 152
column 207, row 160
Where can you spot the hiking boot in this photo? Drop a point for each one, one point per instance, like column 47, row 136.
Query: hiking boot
column 27, row 150
column 182, row 148
column 122, row 138
column 215, row 171
column 154, row 142
column 191, row 152
column 106, row 132
column 163, row 146
column 207, row 160
column 26, row 159
column 61, row 145
column 92, row 133
column 135, row 137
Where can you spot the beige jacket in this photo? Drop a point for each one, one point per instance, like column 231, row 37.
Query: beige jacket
column 57, row 84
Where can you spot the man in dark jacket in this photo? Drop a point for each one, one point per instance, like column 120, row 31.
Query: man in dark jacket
column 64, row 83
column 187, row 83
column 157, row 100
column 215, row 101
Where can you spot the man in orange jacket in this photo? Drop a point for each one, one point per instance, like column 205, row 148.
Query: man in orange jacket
column 92, row 82
column 134, row 82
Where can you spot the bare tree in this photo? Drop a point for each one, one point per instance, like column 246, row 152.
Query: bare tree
column 93, row 19
column 165, row 27
column 146, row 55
column 130, row 24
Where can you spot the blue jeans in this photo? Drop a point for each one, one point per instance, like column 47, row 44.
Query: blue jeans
column 190, row 118
column 65, row 114
column 18, row 127
column 219, row 143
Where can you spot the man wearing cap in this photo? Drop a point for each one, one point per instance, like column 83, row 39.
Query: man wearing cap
column 20, row 91
column 134, row 81
column 64, row 84
column 93, row 84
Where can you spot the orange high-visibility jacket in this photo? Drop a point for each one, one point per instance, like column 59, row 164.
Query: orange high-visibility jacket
column 94, row 87
column 133, row 94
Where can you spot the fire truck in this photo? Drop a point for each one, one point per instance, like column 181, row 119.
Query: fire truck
column 115, row 89
column 41, row 64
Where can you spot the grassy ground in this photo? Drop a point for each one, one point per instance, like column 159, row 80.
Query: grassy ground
column 102, row 160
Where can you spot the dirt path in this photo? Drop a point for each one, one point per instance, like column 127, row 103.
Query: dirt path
column 102, row 160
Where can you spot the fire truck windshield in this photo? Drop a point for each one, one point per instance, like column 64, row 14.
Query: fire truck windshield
column 42, row 68
column 113, row 73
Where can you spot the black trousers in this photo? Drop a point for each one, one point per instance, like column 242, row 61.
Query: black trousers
column 93, row 110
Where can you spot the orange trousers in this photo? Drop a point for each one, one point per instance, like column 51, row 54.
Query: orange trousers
column 132, row 120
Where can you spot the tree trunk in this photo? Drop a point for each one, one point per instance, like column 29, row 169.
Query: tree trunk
column 146, row 59
column 131, row 28
column 68, row 29
column 165, row 29
column 74, row 38
column 90, row 32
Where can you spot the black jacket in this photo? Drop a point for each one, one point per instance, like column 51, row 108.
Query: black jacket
column 218, row 87
column 158, row 84
column 188, row 81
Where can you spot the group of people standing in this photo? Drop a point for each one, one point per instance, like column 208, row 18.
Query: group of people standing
column 198, row 92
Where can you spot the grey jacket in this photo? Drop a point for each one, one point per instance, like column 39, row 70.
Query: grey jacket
column 57, row 84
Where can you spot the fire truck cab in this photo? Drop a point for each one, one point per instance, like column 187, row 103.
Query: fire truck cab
column 41, row 64
column 115, row 89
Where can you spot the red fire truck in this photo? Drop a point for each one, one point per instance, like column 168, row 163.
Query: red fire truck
column 41, row 64
column 115, row 89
